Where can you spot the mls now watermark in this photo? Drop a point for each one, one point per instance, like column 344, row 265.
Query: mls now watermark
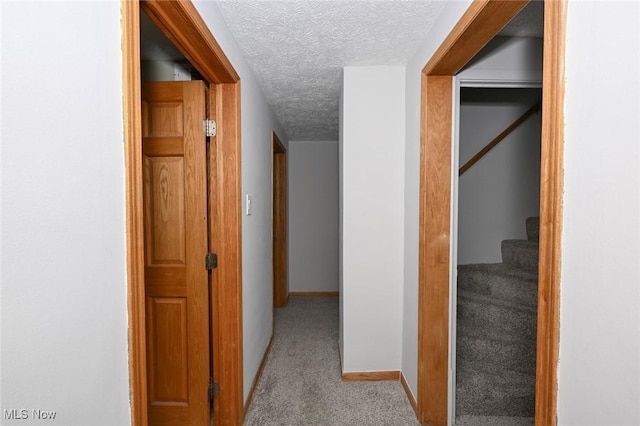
column 24, row 414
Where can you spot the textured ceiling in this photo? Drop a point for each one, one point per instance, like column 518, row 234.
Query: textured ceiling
column 297, row 50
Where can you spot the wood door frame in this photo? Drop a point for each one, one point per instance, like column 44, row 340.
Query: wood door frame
column 280, row 287
column 479, row 24
column 183, row 25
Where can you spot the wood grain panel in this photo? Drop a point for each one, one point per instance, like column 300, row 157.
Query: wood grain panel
column 371, row 376
column 435, row 223
column 407, row 391
column 164, row 119
column 176, row 242
column 166, row 281
column 163, row 147
column 132, row 108
column 226, row 240
column 167, row 336
column 197, row 275
column 551, row 189
column 165, row 208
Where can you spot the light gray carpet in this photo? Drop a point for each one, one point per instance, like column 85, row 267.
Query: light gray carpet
column 301, row 383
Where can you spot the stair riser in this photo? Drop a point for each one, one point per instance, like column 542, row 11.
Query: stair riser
column 494, row 393
column 533, row 228
column 518, row 356
column 479, row 405
column 519, row 256
column 500, row 287
column 475, row 319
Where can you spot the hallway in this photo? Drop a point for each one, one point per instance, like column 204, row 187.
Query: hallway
column 301, row 382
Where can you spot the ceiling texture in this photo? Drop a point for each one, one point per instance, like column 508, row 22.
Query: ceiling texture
column 297, row 49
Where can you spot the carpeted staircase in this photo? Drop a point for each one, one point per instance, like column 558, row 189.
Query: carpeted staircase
column 496, row 335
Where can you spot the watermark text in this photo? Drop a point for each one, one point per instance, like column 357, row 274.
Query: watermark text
column 24, row 414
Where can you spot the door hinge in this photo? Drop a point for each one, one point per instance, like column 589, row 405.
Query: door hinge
column 211, row 261
column 210, row 127
column 214, row 389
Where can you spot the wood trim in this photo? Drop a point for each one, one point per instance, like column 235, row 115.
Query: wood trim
column 484, row 151
column 279, row 183
column 551, row 190
column 183, row 25
column 407, row 390
column 278, row 146
column 134, row 209
column 479, row 24
column 181, row 22
column 314, row 294
column 256, row 379
column 434, row 246
column 226, row 241
column 371, row 376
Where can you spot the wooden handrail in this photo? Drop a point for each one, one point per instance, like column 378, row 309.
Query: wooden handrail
column 499, row 138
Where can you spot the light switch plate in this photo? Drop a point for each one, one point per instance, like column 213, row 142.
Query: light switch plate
column 248, row 205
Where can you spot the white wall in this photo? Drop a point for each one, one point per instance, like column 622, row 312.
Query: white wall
column 506, row 59
column 451, row 13
column 313, row 216
column 258, row 122
column 500, row 191
column 164, row 70
column 599, row 371
column 64, row 288
column 372, row 215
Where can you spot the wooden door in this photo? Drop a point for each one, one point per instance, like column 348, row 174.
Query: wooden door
column 176, row 280
column 280, row 291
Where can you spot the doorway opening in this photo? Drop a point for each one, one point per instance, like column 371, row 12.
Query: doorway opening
column 182, row 24
column 279, row 185
column 477, row 27
column 496, row 203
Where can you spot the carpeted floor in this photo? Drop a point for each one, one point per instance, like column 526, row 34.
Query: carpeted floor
column 301, row 383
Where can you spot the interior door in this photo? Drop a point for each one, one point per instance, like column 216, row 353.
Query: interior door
column 280, row 291
column 176, row 280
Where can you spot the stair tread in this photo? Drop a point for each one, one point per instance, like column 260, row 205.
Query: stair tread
column 476, row 420
column 502, row 283
column 501, row 268
column 478, row 317
column 533, row 228
column 514, row 355
column 506, row 378
column 492, row 390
